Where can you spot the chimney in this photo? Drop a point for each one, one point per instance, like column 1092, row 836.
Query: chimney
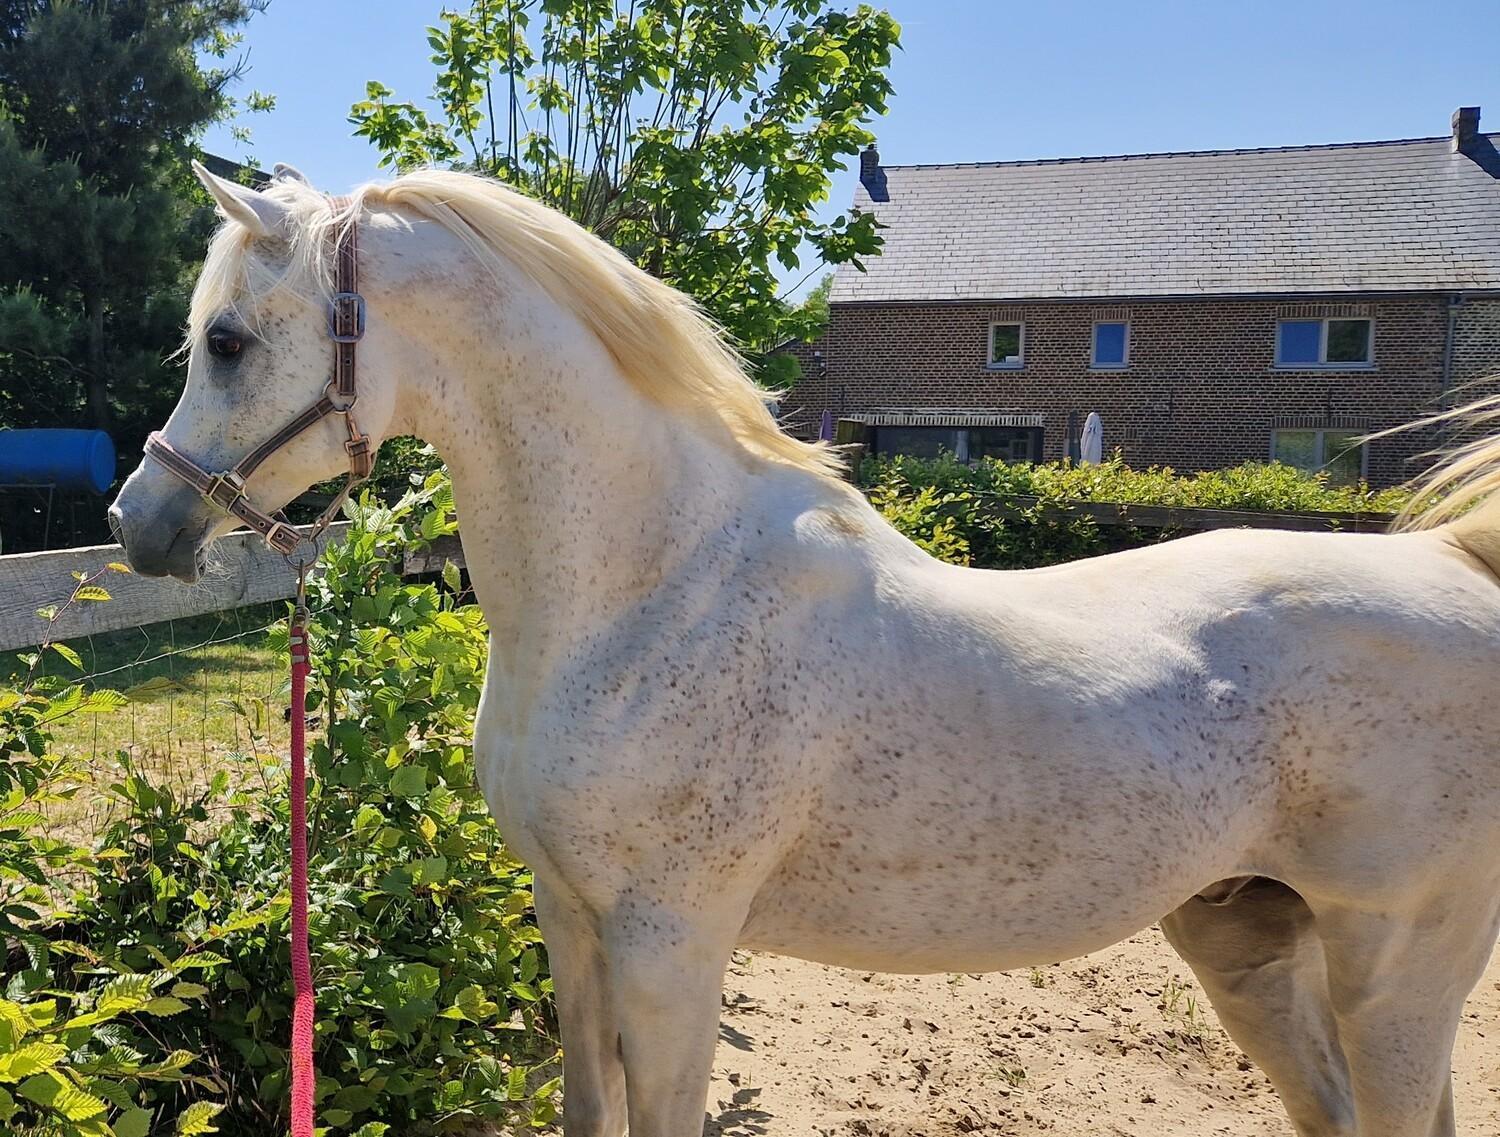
column 871, row 176
column 1465, row 129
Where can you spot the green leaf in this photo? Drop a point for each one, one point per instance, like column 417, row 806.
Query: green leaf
column 430, row 870
column 92, row 593
column 103, row 700
column 119, row 996
column 133, row 1123
column 409, row 781
column 30, row 1059
column 68, row 653
column 54, row 1091
column 165, row 1005
column 197, row 1119
column 199, row 959
column 515, row 1089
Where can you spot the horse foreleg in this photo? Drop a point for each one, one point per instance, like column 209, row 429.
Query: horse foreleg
column 1398, row 980
column 668, row 978
column 593, row 1073
column 1261, row 963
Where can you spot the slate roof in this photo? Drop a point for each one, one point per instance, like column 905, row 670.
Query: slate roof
column 1409, row 215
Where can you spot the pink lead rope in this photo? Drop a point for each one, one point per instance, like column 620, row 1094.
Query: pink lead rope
column 303, row 1076
column 226, row 490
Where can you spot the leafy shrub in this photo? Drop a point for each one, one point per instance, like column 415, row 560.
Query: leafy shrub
column 79, row 1051
column 951, row 509
column 929, row 517
column 433, row 991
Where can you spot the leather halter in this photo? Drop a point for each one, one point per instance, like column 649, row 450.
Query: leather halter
column 226, row 489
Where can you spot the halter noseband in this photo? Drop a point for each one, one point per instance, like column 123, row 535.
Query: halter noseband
column 226, row 489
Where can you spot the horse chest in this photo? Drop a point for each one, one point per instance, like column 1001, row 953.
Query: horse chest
column 621, row 784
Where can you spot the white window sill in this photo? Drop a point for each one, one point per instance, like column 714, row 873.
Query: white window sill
column 1109, row 368
column 1005, row 367
column 1323, row 367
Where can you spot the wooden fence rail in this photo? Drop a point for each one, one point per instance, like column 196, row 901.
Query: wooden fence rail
column 242, row 571
column 246, row 572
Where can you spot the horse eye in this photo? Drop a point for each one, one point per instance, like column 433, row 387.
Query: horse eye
column 224, row 346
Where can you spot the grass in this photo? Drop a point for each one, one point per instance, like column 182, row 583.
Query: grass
column 1012, row 1076
column 1180, row 1007
column 199, row 689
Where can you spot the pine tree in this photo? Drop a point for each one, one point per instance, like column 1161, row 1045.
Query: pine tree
column 100, row 104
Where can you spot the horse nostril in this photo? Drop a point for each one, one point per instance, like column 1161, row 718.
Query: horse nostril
column 115, row 524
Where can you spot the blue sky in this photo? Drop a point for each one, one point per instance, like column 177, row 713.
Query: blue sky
column 989, row 80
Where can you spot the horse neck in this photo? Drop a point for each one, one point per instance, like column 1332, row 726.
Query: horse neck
column 577, row 494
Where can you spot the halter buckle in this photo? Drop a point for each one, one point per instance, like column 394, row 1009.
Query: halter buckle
column 283, row 537
column 346, row 309
column 225, row 489
column 358, row 449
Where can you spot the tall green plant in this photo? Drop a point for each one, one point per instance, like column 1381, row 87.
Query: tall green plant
column 432, row 982
column 158, row 987
column 80, row 1055
column 697, row 136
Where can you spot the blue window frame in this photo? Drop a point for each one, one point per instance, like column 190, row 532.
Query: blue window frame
column 1324, row 343
column 1111, row 344
column 1299, row 341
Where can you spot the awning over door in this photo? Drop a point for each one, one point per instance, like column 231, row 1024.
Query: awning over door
column 941, row 416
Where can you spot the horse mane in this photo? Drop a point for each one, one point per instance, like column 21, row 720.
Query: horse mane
column 1465, row 482
column 662, row 341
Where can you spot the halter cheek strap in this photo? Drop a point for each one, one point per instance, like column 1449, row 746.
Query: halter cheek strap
column 226, row 488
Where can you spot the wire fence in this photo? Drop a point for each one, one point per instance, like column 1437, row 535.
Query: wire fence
column 204, row 694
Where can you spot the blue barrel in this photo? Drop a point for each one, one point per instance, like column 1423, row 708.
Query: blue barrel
column 68, row 459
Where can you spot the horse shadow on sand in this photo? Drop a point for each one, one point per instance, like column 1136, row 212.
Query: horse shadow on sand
column 739, row 1117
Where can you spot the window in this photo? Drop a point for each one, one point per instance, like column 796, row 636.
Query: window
column 1007, row 344
column 967, row 444
column 917, row 441
column 1323, row 343
column 1007, row 443
column 1337, row 453
column 1111, row 344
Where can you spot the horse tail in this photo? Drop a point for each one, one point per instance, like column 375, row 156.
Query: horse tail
column 1461, row 494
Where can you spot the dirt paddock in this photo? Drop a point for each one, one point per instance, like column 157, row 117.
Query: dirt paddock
column 1117, row 1043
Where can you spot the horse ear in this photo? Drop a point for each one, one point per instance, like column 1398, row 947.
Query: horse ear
column 283, row 172
column 262, row 215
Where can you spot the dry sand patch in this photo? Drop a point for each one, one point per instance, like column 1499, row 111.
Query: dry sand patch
column 1120, row 1043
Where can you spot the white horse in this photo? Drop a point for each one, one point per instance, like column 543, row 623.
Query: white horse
column 727, row 705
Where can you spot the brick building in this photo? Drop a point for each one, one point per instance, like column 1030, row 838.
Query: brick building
column 1214, row 307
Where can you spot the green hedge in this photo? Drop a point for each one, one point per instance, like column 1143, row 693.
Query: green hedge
column 946, row 507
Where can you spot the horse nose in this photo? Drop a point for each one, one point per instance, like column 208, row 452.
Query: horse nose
column 156, row 548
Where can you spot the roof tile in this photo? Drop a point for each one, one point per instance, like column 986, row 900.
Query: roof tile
column 1378, row 216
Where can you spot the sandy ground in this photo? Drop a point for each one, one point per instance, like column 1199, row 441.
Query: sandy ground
column 1117, row 1043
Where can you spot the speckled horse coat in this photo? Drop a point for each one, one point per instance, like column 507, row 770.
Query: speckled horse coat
column 728, row 706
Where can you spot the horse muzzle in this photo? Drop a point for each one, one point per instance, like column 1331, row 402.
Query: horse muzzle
column 162, row 527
